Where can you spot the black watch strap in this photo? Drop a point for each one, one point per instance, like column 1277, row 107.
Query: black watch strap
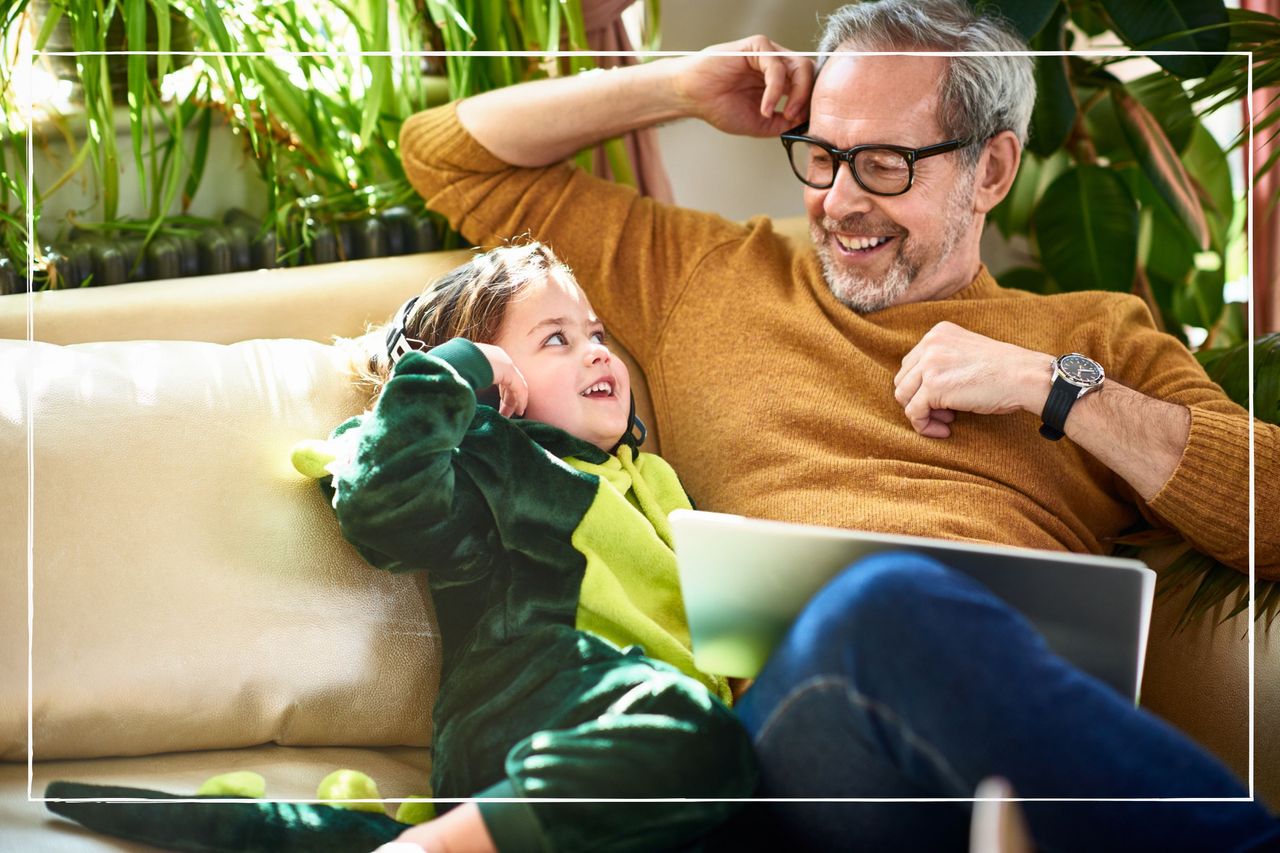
column 1062, row 396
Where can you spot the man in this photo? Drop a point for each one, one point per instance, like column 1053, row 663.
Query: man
column 882, row 380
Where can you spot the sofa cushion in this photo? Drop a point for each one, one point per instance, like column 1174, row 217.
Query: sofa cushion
column 190, row 589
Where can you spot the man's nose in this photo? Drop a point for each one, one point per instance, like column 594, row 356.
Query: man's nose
column 845, row 196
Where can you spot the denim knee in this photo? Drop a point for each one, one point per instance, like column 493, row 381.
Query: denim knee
column 889, row 586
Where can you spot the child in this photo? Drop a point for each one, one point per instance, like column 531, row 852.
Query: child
column 567, row 671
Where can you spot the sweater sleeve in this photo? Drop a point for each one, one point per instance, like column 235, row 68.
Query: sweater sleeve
column 632, row 255
column 400, row 499
column 1206, row 499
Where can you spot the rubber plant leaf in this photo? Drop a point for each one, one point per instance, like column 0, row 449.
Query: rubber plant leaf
column 1055, row 110
column 1027, row 16
column 1165, row 25
column 1161, row 164
column 1086, row 226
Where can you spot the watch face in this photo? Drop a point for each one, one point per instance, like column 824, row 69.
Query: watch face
column 1079, row 370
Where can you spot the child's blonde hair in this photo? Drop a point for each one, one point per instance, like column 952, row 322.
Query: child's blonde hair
column 469, row 302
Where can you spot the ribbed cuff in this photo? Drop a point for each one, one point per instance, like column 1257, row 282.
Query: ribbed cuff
column 439, row 131
column 1207, row 496
column 513, row 826
column 466, row 358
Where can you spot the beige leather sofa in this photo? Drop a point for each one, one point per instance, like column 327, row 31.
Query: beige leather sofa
column 193, row 608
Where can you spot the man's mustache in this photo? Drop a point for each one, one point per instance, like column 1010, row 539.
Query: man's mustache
column 863, row 225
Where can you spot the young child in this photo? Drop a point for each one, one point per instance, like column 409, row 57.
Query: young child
column 567, row 671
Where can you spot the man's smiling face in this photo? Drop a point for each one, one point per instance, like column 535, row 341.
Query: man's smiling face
column 878, row 251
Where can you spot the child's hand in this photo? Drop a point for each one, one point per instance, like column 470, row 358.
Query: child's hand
column 513, row 391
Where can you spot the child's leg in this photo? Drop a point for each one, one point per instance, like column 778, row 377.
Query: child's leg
column 615, row 727
column 664, row 736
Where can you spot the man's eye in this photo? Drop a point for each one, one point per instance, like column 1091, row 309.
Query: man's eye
column 558, row 340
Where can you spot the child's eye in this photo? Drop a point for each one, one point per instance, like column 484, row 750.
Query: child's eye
column 598, row 337
column 558, row 340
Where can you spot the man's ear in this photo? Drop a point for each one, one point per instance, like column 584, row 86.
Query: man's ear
column 996, row 170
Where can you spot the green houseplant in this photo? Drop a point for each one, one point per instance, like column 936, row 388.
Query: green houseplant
column 317, row 92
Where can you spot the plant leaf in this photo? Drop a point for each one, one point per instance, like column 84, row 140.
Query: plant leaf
column 1028, row 16
column 1055, row 108
column 135, row 15
column 1086, row 226
column 1160, row 163
column 198, row 158
column 1212, row 587
column 380, row 77
column 1165, row 25
column 615, row 152
column 1207, row 165
column 162, row 12
column 1230, row 369
column 52, row 16
column 1089, row 17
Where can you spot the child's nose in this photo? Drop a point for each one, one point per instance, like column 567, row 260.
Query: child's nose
column 597, row 353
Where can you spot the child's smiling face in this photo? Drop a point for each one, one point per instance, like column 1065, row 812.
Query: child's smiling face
column 558, row 344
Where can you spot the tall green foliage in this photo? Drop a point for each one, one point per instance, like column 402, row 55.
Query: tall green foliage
column 317, row 91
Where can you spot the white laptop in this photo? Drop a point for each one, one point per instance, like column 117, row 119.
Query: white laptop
column 745, row 580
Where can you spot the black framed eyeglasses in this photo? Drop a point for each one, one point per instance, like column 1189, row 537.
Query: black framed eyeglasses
column 879, row 169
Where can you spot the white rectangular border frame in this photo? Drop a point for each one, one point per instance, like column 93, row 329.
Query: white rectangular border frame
column 31, row 468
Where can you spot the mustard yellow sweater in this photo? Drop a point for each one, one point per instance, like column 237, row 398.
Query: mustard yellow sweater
column 775, row 400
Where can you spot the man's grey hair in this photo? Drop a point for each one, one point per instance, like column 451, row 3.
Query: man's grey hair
column 980, row 96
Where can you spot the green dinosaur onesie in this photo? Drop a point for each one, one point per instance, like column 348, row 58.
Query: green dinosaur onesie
column 567, row 670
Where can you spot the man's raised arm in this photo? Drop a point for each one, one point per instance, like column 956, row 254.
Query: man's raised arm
column 494, row 166
column 546, row 121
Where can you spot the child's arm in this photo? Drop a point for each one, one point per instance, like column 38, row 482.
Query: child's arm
column 397, row 498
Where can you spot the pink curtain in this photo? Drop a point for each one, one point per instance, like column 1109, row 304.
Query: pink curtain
column 1266, row 219
column 603, row 19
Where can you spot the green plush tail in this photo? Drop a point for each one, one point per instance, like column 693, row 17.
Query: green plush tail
column 250, row 827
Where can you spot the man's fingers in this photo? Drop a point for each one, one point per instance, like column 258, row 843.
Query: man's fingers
column 908, row 361
column 936, row 429
column 917, row 411
column 905, row 386
column 945, row 416
column 775, row 84
column 801, row 68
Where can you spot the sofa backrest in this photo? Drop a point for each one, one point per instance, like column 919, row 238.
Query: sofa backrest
column 190, row 590
column 312, row 303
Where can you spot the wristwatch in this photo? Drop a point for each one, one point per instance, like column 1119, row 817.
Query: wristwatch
column 1074, row 375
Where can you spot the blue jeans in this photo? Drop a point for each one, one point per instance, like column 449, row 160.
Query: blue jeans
column 905, row 679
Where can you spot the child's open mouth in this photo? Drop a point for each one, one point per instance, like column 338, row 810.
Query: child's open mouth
column 599, row 391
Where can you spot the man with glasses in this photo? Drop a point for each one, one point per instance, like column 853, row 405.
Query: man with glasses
column 881, row 379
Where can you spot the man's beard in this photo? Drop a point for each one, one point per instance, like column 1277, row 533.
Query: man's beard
column 865, row 294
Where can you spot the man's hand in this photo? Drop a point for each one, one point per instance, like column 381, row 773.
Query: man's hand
column 513, row 390
column 954, row 370
column 738, row 94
